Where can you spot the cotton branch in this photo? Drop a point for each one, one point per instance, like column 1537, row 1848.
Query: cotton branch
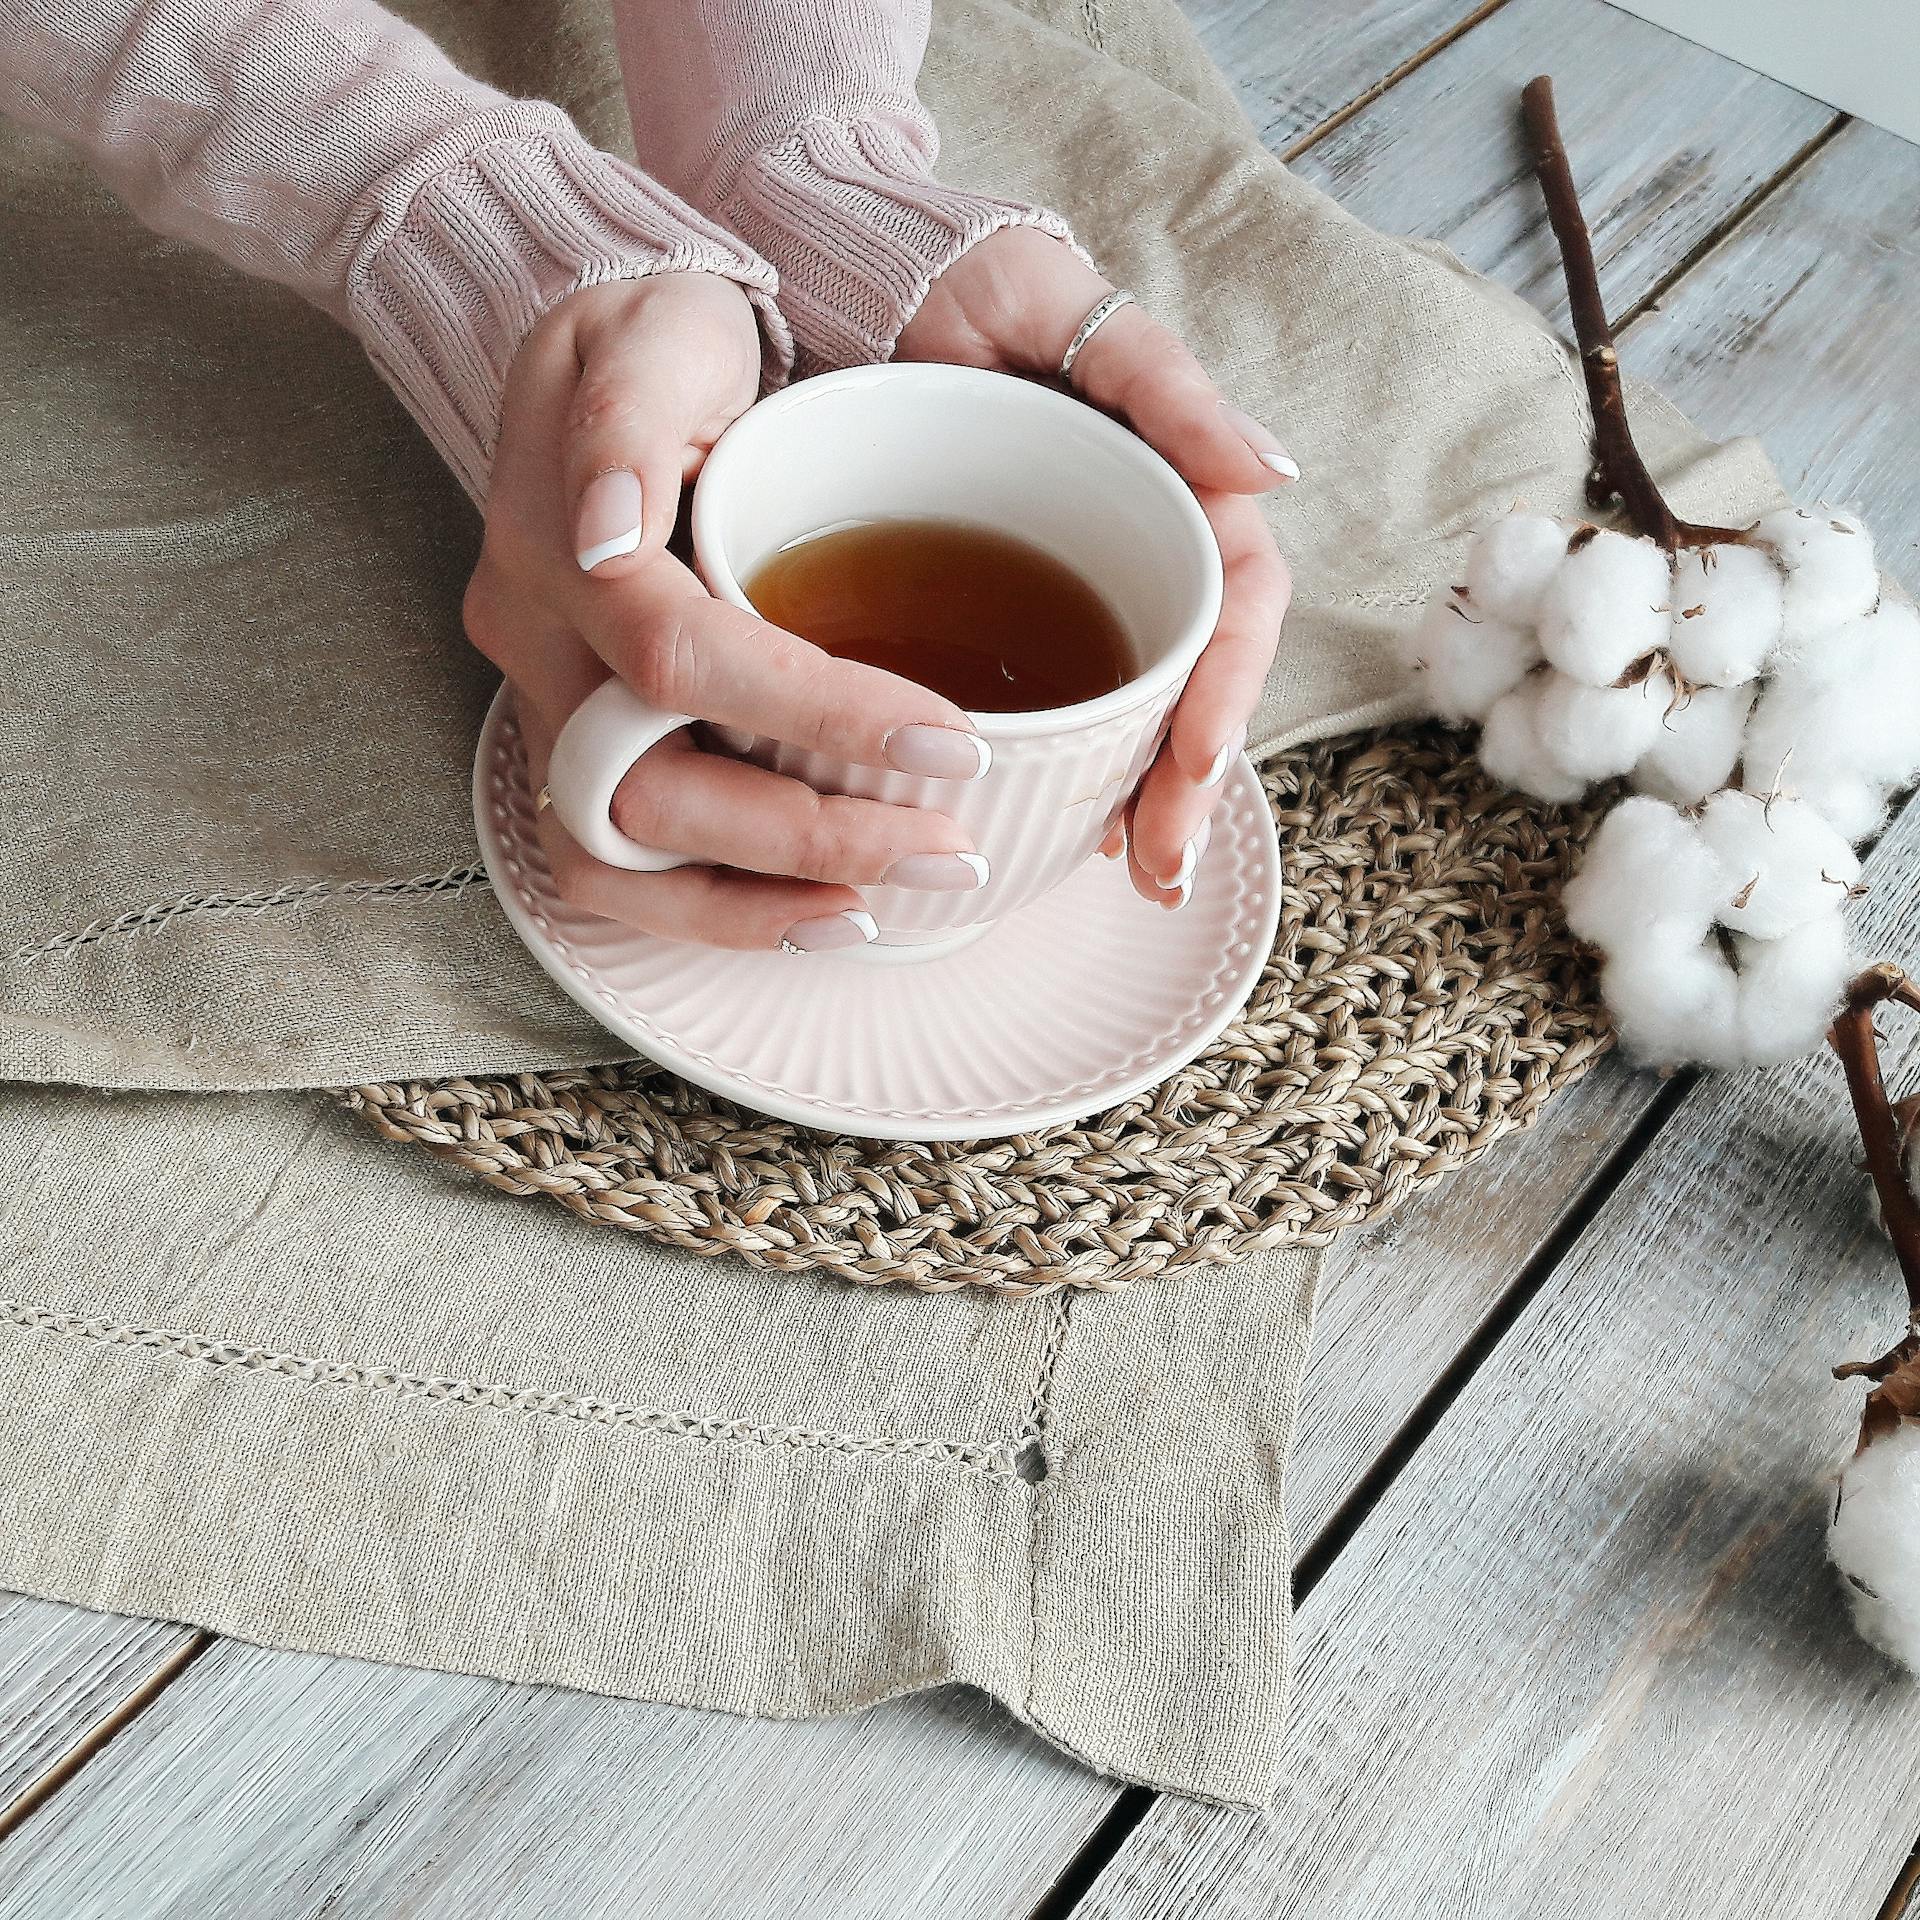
column 1896, row 1373
column 1618, row 467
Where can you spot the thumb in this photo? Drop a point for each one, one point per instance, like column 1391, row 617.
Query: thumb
column 648, row 399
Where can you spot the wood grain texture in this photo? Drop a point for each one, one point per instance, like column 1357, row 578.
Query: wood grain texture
column 1441, row 155
column 1298, row 64
column 1585, row 1651
column 63, row 1672
column 273, row 1784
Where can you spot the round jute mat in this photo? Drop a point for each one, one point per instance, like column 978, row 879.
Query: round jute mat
column 1423, row 998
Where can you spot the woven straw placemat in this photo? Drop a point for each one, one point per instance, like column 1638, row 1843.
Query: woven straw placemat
column 1422, row 999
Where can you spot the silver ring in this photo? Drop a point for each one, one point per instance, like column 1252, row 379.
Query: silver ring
column 1091, row 325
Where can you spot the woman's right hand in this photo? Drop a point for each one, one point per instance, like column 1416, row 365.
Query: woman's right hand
column 612, row 403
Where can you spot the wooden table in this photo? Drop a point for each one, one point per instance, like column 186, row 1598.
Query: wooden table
column 1567, row 1644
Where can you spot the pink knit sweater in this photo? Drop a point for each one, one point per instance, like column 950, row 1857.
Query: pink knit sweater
column 329, row 145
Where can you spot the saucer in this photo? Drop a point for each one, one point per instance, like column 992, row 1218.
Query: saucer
column 1077, row 1002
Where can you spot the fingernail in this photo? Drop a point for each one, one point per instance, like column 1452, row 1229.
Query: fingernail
column 1181, row 879
column 937, row 753
column 1266, row 449
column 830, row 932
column 938, row 872
column 608, row 523
column 1224, row 758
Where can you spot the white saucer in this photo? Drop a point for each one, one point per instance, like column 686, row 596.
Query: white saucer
column 1076, row 1003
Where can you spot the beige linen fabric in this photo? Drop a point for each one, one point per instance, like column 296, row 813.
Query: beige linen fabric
column 258, row 1371
column 336, row 1405
column 238, row 852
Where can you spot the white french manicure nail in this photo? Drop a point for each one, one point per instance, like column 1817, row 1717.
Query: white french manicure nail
column 831, row 932
column 1264, row 447
column 938, row 872
column 1224, row 758
column 1190, row 856
column 609, row 520
column 937, row 753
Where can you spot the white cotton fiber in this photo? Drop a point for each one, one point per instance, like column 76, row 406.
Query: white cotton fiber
column 1605, row 607
column 1831, row 573
column 1464, row 660
column 1783, row 864
column 1647, row 874
column 1511, row 749
column 1727, row 607
column 1851, row 705
column 1510, row 563
column 1790, row 989
column 1697, row 746
column 1874, row 1540
column 1853, row 807
column 1674, row 1003
column 1599, row 732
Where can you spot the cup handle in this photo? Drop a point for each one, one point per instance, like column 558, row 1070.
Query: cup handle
column 608, row 731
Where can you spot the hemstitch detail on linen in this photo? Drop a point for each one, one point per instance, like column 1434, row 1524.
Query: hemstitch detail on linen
column 453, row 882
column 992, row 1460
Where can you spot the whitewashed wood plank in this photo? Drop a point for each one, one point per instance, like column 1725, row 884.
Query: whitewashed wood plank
column 1298, row 64
column 64, row 1673
column 1584, row 1654
column 298, row 1784
column 1441, row 155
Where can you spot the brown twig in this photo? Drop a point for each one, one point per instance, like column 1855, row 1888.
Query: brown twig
column 1852, row 1037
column 1618, row 469
column 1896, row 1373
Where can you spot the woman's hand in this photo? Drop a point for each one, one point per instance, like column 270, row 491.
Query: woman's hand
column 1014, row 300
column 611, row 404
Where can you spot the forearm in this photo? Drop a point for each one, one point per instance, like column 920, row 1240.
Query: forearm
column 333, row 148
column 798, row 127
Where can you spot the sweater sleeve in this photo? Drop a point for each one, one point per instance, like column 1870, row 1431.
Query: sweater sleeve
column 795, row 123
column 332, row 147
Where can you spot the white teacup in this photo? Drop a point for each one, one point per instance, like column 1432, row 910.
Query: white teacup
column 917, row 442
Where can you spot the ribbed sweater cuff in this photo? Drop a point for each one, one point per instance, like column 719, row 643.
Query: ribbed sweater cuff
column 859, row 230
column 521, row 216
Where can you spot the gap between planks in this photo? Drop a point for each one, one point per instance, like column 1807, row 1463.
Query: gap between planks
column 101, row 1734
column 1411, row 65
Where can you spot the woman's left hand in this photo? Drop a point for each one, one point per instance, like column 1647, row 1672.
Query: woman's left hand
column 1013, row 301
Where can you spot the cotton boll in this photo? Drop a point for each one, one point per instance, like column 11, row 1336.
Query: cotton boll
column 1647, row 873
column 1697, row 747
column 1874, row 1540
column 1510, row 563
column 1465, row 660
column 1796, row 746
column 1850, row 704
column 1605, row 608
column 1852, row 806
column 1727, row 610
column 1881, row 699
column 1599, row 732
column 1831, row 573
column 1511, row 749
column 1784, row 864
column 1674, row 1003
column 1790, row 989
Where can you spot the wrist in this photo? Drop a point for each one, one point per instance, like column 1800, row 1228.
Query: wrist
column 859, row 230
column 510, row 221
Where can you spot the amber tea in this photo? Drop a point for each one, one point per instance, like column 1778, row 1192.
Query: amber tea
column 992, row 623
